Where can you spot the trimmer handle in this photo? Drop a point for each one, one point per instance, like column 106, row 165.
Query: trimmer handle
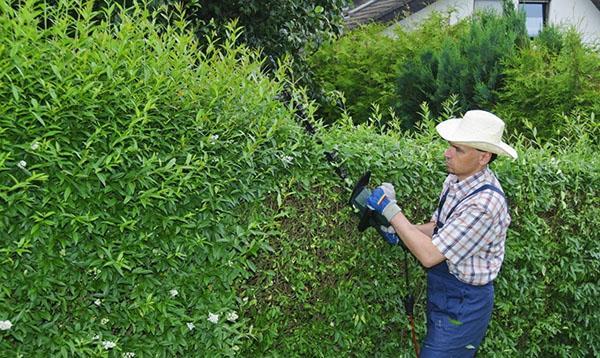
column 358, row 201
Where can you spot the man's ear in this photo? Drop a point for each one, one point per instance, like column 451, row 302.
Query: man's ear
column 485, row 158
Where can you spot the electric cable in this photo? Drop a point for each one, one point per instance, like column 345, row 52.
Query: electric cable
column 409, row 304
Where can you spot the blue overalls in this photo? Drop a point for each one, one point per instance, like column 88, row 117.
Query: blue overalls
column 457, row 313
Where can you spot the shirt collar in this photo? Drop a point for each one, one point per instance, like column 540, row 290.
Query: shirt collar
column 468, row 184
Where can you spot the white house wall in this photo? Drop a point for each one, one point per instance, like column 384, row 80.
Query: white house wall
column 582, row 14
column 458, row 10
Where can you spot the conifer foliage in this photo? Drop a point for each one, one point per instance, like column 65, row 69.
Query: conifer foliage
column 469, row 66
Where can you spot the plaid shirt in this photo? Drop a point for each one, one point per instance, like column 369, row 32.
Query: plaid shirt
column 472, row 238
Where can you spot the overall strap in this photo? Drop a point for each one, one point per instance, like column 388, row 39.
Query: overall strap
column 439, row 224
column 441, row 204
column 480, row 189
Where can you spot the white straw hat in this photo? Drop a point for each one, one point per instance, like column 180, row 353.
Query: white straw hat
column 477, row 129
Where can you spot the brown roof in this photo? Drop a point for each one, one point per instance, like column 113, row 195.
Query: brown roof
column 383, row 11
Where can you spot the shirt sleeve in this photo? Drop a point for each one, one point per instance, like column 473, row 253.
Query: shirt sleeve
column 465, row 232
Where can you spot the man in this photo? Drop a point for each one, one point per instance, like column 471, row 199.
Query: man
column 463, row 245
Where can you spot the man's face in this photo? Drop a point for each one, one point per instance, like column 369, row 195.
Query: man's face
column 464, row 161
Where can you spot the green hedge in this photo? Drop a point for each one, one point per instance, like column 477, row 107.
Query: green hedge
column 130, row 166
column 146, row 187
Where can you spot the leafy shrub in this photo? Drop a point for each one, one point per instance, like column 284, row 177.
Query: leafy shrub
column 360, row 66
column 555, row 75
column 468, row 65
column 131, row 169
column 275, row 27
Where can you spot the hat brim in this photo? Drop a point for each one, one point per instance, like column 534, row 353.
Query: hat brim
column 448, row 130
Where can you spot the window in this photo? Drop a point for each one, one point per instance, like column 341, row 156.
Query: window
column 536, row 15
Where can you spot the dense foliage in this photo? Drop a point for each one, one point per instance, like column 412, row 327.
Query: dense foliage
column 402, row 69
column 554, row 75
column 364, row 56
column 359, row 70
column 276, row 27
column 159, row 200
column 469, row 66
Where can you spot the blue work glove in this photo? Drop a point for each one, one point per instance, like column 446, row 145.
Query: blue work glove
column 389, row 234
column 379, row 202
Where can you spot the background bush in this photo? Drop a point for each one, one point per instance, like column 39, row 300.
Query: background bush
column 359, row 70
column 402, row 69
column 364, row 56
column 554, row 75
column 482, row 62
column 469, row 66
column 132, row 165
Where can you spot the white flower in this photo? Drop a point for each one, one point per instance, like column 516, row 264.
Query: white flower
column 174, row 293
column 214, row 137
column 287, row 159
column 35, row 146
column 245, row 299
column 22, row 164
column 104, row 321
column 98, row 302
column 214, row 318
column 190, row 326
column 128, row 355
column 96, row 337
column 95, row 271
column 5, row 325
column 232, row 317
column 109, row 344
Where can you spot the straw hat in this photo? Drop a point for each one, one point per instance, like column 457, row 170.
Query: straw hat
column 477, row 129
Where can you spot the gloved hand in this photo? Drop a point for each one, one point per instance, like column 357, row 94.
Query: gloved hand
column 389, row 234
column 379, row 202
column 389, row 191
